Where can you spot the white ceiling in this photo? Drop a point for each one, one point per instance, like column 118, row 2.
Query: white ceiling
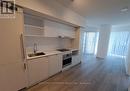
column 99, row 12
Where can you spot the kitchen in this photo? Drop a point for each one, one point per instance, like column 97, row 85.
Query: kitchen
column 64, row 45
column 44, row 46
column 48, row 43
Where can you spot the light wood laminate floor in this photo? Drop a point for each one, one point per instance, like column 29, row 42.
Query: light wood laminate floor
column 91, row 75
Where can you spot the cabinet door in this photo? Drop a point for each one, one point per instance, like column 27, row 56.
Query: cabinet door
column 75, row 60
column 38, row 70
column 12, row 75
column 68, row 32
column 59, row 56
column 54, row 29
column 55, row 64
column 50, row 29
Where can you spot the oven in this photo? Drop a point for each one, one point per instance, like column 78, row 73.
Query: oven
column 67, row 60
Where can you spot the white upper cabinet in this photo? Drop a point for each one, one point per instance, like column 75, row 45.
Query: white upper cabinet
column 39, row 27
column 54, row 29
column 50, row 29
column 33, row 26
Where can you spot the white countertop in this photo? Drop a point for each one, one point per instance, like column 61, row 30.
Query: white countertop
column 48, row 53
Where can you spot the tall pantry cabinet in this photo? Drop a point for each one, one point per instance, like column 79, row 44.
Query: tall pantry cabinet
column 12, row 67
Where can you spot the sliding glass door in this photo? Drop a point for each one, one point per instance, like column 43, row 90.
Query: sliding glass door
column 89, row 44
column 118, row 44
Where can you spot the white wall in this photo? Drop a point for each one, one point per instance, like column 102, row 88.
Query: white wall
column 54, row 9
column 121, row 28
column 104, row 35
column 93, row 29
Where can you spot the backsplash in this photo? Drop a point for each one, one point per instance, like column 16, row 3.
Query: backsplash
column 46, row 43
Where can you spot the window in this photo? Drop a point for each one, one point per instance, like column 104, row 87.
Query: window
column 118, row 44
column 90, row 41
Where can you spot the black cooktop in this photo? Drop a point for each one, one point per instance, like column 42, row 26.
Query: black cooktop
column 62, row 50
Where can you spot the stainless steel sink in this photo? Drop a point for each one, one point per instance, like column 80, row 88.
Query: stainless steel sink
column 36, row 54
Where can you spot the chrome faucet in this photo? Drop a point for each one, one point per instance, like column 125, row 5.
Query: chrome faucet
column 35, row 48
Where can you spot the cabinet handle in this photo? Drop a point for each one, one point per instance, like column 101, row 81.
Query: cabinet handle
column 25, row 66
column 22, row 45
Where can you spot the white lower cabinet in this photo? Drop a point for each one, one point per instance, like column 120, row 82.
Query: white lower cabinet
column 40, row 69
column 37, row 70
column 75, row 60
column 55, row 64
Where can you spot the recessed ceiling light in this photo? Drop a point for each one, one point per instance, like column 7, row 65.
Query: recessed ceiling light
column 124, row 9
column 72, row 0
